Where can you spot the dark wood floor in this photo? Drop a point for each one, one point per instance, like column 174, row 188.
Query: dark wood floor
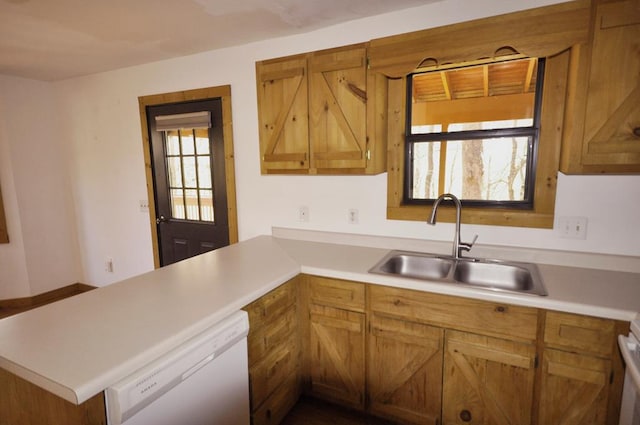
column 309, row 411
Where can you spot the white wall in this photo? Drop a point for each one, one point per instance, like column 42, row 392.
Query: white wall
column 100, row 121
column 43, row 252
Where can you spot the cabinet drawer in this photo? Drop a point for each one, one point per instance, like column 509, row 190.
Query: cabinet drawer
column 271, row 305
column 278, row 404
column 577, row 332
column 337, row 293
column 483, row 317
column 271, row 371
column 264, row 339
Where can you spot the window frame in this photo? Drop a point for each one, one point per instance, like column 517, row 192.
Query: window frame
column 532, row 131
column 560, row 33
column 558, row 69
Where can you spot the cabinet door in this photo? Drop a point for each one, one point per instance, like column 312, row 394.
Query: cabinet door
column 405, row 370
column 282, row 114
column 574, row 389
column 612, row 122
column 337, row 347
column 338, row 108
column 487, row 380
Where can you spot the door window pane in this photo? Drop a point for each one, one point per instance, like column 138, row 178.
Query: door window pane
column 192, row 205
column 174, row 166
column 187, row 142
column 204, row 172
column 190, row 176
column 206, row 205
column 177, row 203
column 202, row 141
column 173, row 142
column 188, row 157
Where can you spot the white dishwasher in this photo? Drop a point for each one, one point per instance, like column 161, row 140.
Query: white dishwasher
column 630, row 349
column 203, row 382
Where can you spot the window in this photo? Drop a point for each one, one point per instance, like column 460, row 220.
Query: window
column 189, row 167
column 473, row 131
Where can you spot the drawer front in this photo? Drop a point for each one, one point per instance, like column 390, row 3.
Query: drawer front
column 271, row 371
column 337, row 293
column 278, row 404
column 271, row 305
column 577, row 332
column 262, row 340
column 483, row 317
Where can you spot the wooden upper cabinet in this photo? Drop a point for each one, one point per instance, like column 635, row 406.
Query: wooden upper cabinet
column 322, row 113
column 282, row 114
column 606, row 137
column 337, row 106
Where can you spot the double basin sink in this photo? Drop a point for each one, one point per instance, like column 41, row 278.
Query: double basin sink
column 489, row 274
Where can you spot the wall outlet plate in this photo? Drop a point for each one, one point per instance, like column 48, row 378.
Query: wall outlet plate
column 303, row 213
column 572, row 227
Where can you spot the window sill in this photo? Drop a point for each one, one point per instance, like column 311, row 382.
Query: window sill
column 493, row 217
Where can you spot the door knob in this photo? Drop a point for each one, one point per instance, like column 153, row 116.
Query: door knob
column 161, row 219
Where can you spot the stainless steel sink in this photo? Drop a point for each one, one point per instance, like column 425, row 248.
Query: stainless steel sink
column 494, row 275
column 420, row 266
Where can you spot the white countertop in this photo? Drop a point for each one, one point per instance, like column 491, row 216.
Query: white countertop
column 77, row 347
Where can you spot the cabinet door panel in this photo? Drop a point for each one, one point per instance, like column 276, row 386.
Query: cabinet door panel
column 405, row 370
column 283, row 114
column 337, row 355
column 487, row 380
column 612, row 125
column 338, row 108
column 574, row 389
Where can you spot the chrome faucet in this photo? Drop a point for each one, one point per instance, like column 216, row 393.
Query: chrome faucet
column 458, row 246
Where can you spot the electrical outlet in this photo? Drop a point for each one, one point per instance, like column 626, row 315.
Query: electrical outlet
column 108, row 265
column 303, row 214
column 352, row 217
column 572, row 227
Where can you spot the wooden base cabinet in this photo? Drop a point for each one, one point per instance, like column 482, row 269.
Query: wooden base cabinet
column 337, row 355
column 405, row 370
column 336, row 337
column 575, row 389
column 487, row 380
column 274, row 354
column 582, row 372
column 443, row 360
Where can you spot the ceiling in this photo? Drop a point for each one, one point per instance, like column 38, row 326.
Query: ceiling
column 53, row 40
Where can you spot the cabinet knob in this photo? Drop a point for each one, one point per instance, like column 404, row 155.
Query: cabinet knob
column 465, row 415
column 636, row 131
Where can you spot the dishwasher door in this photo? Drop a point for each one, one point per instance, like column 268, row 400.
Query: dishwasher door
column 202, row 382
column 630, row 349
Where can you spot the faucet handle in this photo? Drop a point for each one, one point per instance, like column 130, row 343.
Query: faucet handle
column 467, row 246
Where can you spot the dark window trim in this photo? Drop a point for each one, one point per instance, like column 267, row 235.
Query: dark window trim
column 532, row 132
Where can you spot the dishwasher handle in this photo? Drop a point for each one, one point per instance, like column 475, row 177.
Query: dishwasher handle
column 627, row 348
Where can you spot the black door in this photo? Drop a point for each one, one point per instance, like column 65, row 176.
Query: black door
column 189, row 178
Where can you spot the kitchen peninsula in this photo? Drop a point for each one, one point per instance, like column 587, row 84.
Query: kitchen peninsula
column 77, row 347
